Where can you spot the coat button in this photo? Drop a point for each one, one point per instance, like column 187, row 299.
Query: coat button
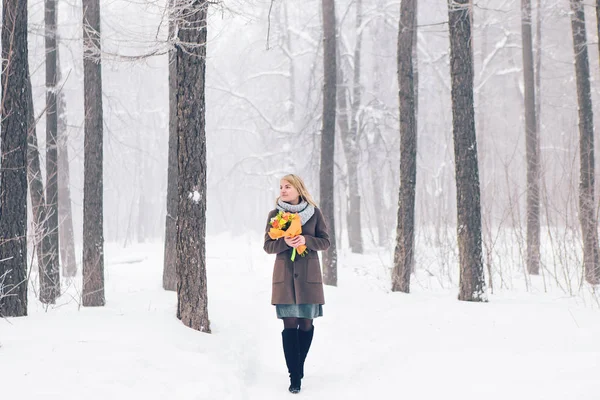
column 295, row 275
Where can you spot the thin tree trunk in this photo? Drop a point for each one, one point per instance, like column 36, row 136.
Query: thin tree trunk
column 472, row 283
column 143, row 231
column 405, row 231
column 353, row 153
column 538, row 73
column 350, row 147
column 347, row 121
column 538, row 90
column 93, row 232
column 192, row 296
column 13, row 171
column 51, row 148
column 65, row 213
column 292, row 68
column 328, row 139
column 49, row 282
column 415, row 61
column 169, row 273
column 531, row 144
column 377, row 184
column 375, row 147
column 597, row 21
column 587, row 217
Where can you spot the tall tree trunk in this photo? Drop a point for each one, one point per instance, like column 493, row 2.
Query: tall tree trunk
column 597, row 21
column 13, row 171
column 405, row 231
column 351, row 146
column 538, row 74
column 93, row 232
column 169, row 273
column 587, row 214
column 65, row 213
column 51, row 148
column 192, row 296
column 415, row 61
column 375, row 146
column 347, row 121
column 531, row 144
column 49, row 282
column 328, row 139
column 472, row 283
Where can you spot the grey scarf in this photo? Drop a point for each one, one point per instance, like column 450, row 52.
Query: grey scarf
column 304, row 210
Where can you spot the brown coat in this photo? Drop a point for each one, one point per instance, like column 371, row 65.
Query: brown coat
column 299, row 281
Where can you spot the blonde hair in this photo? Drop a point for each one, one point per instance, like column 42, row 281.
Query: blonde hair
column 299, row 185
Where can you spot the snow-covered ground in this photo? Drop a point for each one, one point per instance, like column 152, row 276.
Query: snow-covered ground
column 371, row 343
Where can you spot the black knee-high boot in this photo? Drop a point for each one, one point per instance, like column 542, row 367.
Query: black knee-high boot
column 304, row 341
column 292, row 352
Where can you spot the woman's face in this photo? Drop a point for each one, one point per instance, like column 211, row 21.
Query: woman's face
column 288, row 193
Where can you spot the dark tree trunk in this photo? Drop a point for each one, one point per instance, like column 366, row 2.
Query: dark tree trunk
column 192, row 296
column 93, row 232
column 328, row 139
column 65, row 213
column 351, row 146
column 51, row 132
column 49, row 279
column 587, row 214
column 169, row 273
column 538, row 73
column 405, row 231
column 531, row 144
column 13, row 171
column 472, row 283
column 415, row 61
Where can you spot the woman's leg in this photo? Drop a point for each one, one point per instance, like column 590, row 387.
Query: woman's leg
column 291, row 351
column 305, row 324
column 290, row 323
column 305, row 336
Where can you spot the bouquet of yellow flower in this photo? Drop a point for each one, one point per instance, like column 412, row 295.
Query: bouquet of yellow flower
column 286, row 224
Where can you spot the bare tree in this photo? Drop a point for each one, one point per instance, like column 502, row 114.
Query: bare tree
column 93, row 231
column 48, row 274
column 405, row 231
column 169, row 273
column 472, row 283
column 597, row 21
column 51, row 133
column 349, row 102
column 65, row 213
column 13, row 172
column 587, row 214
column 192, row 296
column 328, row 139
column 531, row 144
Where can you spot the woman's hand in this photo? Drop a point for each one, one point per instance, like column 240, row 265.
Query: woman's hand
column 295, row 241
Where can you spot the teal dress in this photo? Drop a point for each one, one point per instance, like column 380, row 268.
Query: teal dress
column 309, row 311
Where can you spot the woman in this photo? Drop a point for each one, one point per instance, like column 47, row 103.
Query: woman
column 297, row 285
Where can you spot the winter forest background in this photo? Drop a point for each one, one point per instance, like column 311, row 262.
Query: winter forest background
column 265, row 84
column 264, row 117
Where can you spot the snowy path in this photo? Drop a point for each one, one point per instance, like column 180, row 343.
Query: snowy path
column 371, row 344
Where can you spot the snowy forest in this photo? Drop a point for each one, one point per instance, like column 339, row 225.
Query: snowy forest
column 449, row 145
